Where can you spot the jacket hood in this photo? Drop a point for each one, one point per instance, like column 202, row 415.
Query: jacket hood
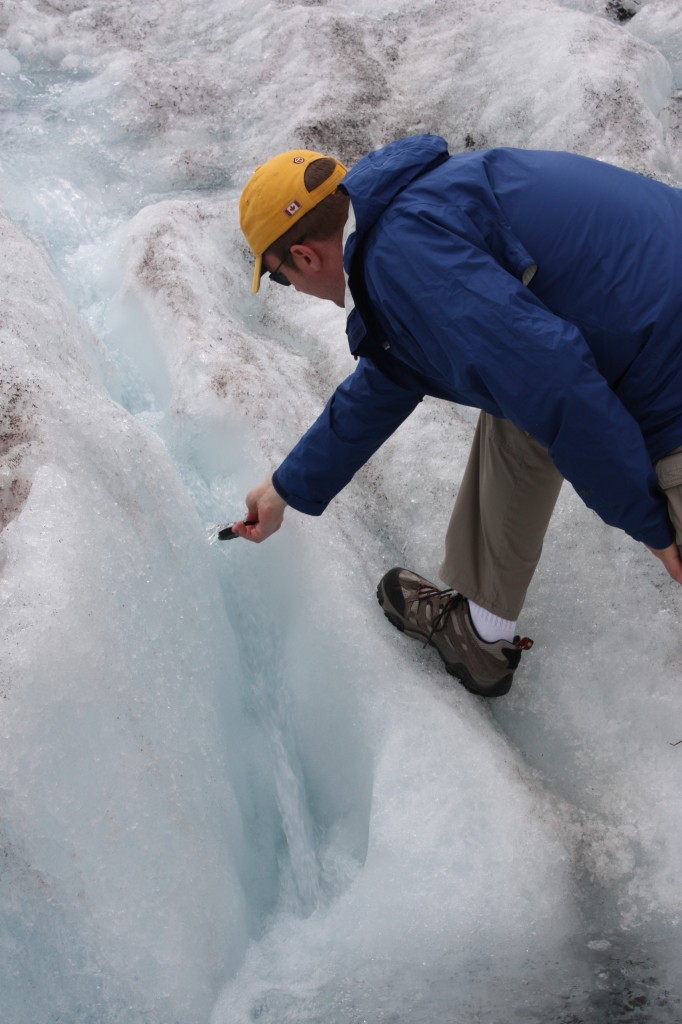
column 376, row 180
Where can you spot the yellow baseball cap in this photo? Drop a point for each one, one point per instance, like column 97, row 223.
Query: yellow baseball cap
column 276, row 197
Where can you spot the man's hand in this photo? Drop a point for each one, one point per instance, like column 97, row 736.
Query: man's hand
column 670, row 557
column 266, row 512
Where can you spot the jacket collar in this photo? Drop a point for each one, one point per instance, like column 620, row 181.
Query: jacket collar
column 379, row 177
column 372, row 185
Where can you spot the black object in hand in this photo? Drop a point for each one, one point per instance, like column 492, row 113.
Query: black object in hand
column 227, row 533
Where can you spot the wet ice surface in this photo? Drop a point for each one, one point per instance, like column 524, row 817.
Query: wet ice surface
column 230, row 791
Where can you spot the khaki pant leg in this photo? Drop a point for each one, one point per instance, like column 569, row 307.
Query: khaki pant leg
column 669, row 471
column 505, row 501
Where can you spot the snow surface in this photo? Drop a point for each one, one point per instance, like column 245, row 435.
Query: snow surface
column 229, row 790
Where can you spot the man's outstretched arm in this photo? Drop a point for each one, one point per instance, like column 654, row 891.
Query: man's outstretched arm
column 363, row 411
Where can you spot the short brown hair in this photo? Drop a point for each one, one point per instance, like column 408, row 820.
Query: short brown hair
column 320, row 223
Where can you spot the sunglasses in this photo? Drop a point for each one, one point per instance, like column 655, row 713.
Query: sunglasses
column 276, row 275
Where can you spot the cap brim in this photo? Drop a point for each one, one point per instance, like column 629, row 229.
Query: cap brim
column 257, row 273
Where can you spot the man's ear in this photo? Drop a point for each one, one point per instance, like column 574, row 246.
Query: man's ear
column 306, row 258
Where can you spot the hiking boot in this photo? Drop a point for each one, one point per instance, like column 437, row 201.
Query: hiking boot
column 441, row 618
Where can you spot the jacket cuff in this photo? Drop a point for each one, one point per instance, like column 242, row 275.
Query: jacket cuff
column 310, row 508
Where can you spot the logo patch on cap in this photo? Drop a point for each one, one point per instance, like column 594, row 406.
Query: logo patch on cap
column 292, row 208
column 299, row 159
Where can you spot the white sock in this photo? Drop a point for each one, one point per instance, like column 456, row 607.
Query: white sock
column 491, row 627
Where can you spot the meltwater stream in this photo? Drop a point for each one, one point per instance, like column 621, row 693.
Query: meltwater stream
column 229, row 793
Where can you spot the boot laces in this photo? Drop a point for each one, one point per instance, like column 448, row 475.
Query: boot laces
column 447, row 600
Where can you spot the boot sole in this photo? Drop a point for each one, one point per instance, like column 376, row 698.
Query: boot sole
column 458, row 670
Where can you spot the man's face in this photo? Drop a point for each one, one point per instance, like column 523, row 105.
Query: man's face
column 317, row 269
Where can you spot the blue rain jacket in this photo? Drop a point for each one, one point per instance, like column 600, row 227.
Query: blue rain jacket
column 586, row 356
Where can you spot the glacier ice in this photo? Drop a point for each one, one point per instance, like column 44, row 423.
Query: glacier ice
column 228, row 792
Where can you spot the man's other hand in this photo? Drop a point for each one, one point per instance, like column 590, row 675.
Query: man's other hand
column 670, row 557
column 266, row 512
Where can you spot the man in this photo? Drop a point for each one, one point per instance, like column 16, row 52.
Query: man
column 544, row 289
